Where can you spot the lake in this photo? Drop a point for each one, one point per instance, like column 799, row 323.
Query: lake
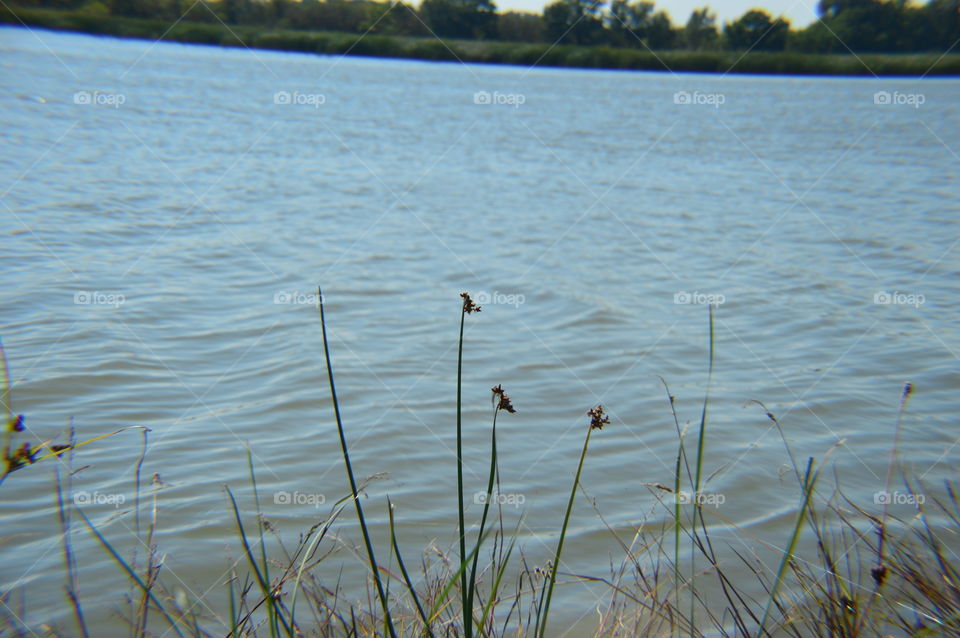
column 170, row 210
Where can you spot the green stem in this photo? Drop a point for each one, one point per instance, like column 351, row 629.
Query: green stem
column 464, row 594
column 486, row 509
column 563, row 533
column 353, row 483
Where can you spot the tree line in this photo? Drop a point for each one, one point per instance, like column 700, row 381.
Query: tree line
column 857, row 26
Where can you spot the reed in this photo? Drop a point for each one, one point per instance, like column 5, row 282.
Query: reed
column 854, row 573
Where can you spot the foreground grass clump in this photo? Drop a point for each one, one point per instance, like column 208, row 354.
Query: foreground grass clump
column 492, row 52
column 865, row 574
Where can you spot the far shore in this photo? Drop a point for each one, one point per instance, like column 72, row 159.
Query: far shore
column 488, row 52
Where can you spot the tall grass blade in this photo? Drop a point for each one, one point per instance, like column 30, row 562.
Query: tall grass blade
column 809, row 481
column 406, row 575
column 374, row 568
column 265, row 588
column 132, row 574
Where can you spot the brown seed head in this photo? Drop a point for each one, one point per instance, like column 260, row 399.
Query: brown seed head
column 504, row 399
column 597, row 418
column 468, row 305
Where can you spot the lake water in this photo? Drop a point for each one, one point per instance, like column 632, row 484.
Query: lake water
column 169, row 210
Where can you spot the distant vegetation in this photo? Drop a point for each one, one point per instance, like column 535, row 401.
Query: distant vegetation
column 845, row 26
column 377, row 35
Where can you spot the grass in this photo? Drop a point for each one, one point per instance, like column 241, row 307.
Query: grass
column 490, row 52
column 866, row 573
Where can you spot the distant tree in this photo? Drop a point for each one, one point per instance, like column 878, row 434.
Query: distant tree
column 757, row 31
column 515, row 26
column 701, row 30
column 942, row 24
column 235, row 11
column 628, row 22
column 660, row 32
column 873, row 25
column 460, row 18
column 574, row 21
column 131, row 8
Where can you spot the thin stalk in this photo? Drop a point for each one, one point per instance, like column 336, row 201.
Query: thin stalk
column 563, row 533
column 264, row 566
column 132, row 574
column 69, row 558
column 697, row 511
column 353, row 483
column 907, row 390
column 809, row 480
column 467, row 612
column 265, row 588
column 486, row 508
column 406, row 575
column 496, row 585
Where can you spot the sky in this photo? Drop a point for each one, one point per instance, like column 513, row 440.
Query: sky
column 799, row 12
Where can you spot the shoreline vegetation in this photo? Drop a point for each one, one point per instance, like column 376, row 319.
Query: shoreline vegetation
column 430, row 48
column 858, row 571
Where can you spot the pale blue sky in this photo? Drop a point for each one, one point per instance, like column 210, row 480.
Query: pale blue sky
column 799, row 12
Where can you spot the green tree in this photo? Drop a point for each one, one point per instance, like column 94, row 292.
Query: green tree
column 701, row 30
column 942, row 24
column 660, row 32
column 757, row 31
column 516, row 26
column 872, row 25
column 574, row 21
column 460, row 18
column 628, row 22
